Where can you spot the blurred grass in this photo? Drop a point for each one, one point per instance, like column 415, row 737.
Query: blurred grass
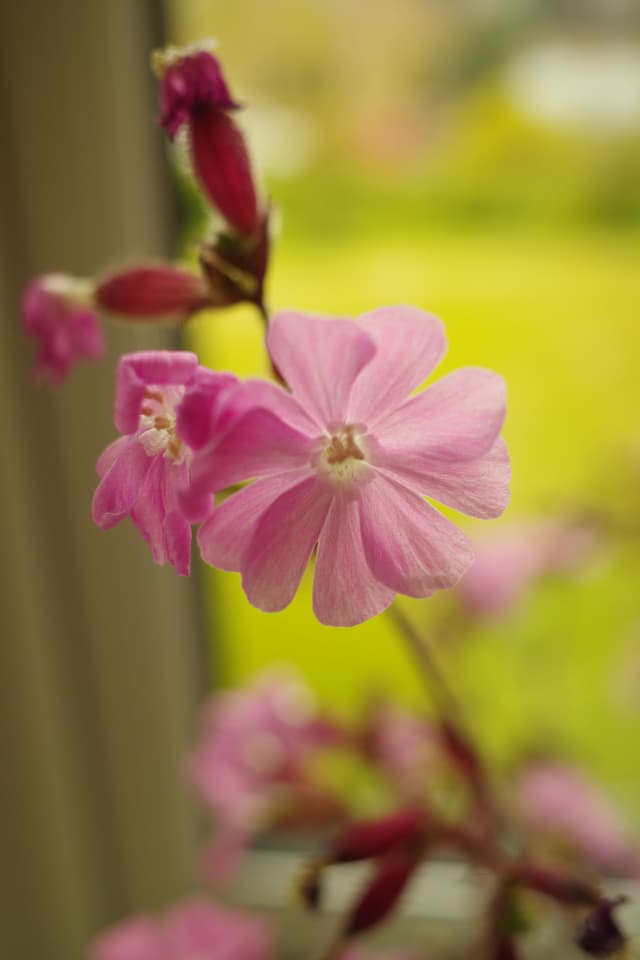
column 556, row 314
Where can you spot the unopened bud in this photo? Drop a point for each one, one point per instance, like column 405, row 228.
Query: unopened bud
column 152, row 292
column 600, row 935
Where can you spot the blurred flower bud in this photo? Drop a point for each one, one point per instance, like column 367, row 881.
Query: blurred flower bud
column 383, row 891
column 364, row 839
column 194, row 94
column 149, row 292
column 600, row 935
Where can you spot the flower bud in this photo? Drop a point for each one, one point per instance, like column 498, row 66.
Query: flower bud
column 194, row 93
column 600, row 935
column 383, row 891
column 371, row 838
column 151, row 292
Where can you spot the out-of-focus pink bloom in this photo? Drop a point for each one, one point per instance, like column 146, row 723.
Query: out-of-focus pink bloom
column 253, row 749
column 562, row 803
column 192, row 930
column 402, row 746
column 345, row 460
column 194, row 94
column 152, row 291
column 57, row 311
column 509, row 562
column 142, row 473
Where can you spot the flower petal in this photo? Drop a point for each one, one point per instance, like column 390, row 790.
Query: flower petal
column 121, row 484
column 411, row 343
column 457, row 418
column 282, row 543
column 479, row 488
column 345, row 592
column 260, row 443
column 225, row 537
column 177, row 528
column 409, row 546
column 148, row 512
column 136, row 371
column 319, row 358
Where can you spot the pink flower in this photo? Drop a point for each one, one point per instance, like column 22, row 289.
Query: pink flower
column 403, row 747
column 344, row 461
column 57, row 312
column 142, row 473
column 508, row 563
column 253, row 748
column 152, row 291
column 194, row 94
column 560, row 801
column 193, row 929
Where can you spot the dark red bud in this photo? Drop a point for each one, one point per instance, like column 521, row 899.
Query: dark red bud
column 152, row 291
column 365, row 839
column 381, row 894
column 505, row 949
column 221, row 164
column 600, row 935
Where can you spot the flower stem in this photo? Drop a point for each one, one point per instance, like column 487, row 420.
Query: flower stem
column 431, row 675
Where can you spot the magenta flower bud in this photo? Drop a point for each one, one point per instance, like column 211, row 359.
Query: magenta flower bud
column 152, row 291
column 382, row 892
column 57, row 310
column 371, row 838
column 194, row 94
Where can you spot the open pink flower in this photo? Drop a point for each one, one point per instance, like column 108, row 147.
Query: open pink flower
column 57, row 312
column 193, row 929
column 344, row 461
column 142, row 473
column 561, row 802
column 194, row 94
column 254, row 745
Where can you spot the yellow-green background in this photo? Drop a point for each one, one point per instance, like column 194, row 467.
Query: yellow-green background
column 526, row 242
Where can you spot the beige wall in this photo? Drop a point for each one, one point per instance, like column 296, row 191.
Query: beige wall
column 99, row 672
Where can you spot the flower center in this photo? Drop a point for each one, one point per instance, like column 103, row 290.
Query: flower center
column 343, row 458
column 157, row 424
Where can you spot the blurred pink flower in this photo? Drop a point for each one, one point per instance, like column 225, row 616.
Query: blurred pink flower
column 344, row 461
column 402, row 746
column 561, row 802
column 192, row 929
column 143, row 471
column 194, row 94
column 509, row 562
column 253, row 747
column 57, row 311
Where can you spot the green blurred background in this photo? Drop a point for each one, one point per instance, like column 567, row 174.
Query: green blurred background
column 481, row 161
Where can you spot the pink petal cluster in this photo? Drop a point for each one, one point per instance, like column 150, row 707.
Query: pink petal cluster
column 143, row 472
column 510, row 561
column 194, row 94
column 344, row 462
column 57, row 313
column 560, row 801
column 253, row 747
column 195, row 929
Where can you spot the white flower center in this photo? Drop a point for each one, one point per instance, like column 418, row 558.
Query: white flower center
column 157, row 424
column 343, row 457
